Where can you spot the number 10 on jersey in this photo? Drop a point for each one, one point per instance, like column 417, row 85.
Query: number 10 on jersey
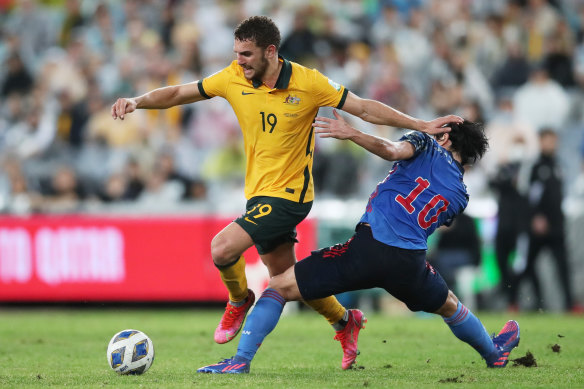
column 406, row 202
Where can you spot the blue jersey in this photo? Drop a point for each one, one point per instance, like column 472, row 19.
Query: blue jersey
column 419, row 195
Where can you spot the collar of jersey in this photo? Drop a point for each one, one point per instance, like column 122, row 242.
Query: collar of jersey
column 283, row 78
column 459, row 165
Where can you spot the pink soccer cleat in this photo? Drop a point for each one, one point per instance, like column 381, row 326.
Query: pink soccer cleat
column 232, row 320
column 349, row 335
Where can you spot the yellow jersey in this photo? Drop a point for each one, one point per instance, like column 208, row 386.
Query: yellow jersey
column 277, row 125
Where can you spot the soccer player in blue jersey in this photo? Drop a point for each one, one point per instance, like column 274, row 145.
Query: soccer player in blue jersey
column 424, row 190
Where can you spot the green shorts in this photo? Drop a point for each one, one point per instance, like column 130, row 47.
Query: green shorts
column 271, row 221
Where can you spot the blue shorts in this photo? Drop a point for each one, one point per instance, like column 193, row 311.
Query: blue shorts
column 363, row 263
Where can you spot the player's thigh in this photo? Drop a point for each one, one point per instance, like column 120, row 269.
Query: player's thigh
column 420, row 286
column 229, row 244
column 280, row 259
column 332, row 270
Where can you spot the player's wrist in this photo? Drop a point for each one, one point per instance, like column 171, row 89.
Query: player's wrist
column 421, row 125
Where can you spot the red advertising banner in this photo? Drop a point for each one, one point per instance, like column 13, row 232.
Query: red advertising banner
column 86, row 258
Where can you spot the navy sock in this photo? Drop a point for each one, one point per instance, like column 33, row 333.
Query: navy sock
column 260, row 322
column 468, row 328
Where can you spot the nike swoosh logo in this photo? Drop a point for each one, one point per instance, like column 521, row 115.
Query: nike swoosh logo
column 247, row 219
column 246, row 93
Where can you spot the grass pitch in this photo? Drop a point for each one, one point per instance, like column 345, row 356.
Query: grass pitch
column 65, row 347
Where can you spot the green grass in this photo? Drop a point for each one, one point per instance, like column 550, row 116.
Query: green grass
column 58, row 348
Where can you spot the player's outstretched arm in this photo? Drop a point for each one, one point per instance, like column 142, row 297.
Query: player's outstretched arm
column 340, row 129
column 160, row 98
column 376, row 112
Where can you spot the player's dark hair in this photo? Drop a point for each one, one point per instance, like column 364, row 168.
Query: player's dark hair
column 469, row 140
column 259, row 29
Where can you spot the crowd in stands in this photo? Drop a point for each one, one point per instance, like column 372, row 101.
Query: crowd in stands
column 516, row 65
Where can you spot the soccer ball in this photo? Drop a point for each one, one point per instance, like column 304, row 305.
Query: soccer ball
column 130, row 352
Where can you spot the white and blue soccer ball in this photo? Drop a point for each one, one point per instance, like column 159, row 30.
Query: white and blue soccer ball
column 130, row 352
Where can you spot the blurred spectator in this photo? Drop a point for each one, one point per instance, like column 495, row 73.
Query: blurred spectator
column 457, row 255
column 336, row 168
column 512, row 215
column 227, row 164
column 29, row 24
column 72, row 22
column 298, row 46
column 135, row 180
column 65, row 193
column 198, row 190
column 541, row 19
column 15, row 197
column 114, row 189
column 101, row 33
column 17, row 78
column 510, row 139
column 558, row 58
column 547, row 223
column 32, row 136
column 413, row 50
column 117, row 134
column 72, row 119
column 165, row 164
column 386, row 26
column 542, row 102
column 159, row 192
column 514, row 71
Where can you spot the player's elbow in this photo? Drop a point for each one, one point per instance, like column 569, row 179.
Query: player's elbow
column 388, row 151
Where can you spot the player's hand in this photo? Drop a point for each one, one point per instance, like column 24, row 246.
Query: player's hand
column 123, row 106
column 331, row 128
column 434, row 127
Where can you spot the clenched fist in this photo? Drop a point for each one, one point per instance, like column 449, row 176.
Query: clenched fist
column 123, row 106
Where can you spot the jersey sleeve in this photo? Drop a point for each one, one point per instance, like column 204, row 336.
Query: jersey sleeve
column 215, row 85
column 328, row 93
column 419, row 140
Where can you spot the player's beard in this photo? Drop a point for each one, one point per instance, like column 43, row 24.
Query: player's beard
column 260, row 70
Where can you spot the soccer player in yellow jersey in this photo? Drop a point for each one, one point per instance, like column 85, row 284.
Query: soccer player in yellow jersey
column 275, row 102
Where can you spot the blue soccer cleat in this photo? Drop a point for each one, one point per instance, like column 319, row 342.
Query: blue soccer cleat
column 505, row 341
column 226, row 366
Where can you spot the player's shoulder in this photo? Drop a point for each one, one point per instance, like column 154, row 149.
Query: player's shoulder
column 234, row 68
column 417, row 138
column 231, row 70
column 301, row 71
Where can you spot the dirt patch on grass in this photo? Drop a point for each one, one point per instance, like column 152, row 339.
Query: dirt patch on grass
column 528, row 360
column 450, row 380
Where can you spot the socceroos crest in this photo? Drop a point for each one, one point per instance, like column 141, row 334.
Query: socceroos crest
column 292, row 100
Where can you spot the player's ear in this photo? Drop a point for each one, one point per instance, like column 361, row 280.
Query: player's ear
column 443, row 138
column 271, row 51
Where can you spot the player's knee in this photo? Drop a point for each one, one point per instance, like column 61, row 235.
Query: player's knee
column 279, row 284
column 450, row 305
column 276, row 284
column 221, row 252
